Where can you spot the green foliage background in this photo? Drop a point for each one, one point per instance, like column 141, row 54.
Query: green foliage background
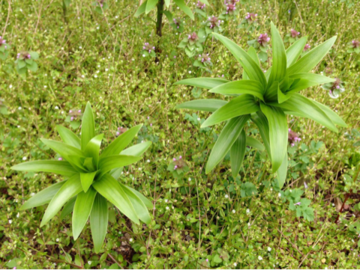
column 199, row 220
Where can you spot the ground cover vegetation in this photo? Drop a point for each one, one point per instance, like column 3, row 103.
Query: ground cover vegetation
column 180, row 176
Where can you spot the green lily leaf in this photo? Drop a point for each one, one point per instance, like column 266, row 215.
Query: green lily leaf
column 237, row 153
column 254, row 143
column 241, row 105
column 226, row 139
column 206, row 105
column 99, row 221
column 295, row 50
column 92, row 149
column 278, row 134
column 69, row 137
column 43, row 197
column 53, row 166
column 70, row 189
column 181, row 4
column 141, row 9
column 278, row 70
column 250, row 87
column 252, row 69
column 136, row 150
column 206, row 83
column 87, row 180
column 82, row 209
column 87, row 126
column 150, row 5
column 110, row 189
column 312, row 58
column 139, row 206
column 306, row 108
column 121, row 142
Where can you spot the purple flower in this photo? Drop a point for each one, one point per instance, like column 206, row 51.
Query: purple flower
column 298, row 203
column 335, row 85
column 147, row 47
column 355, row 43
column 175, row 167
column 214, row 21
column 230, row 8
column 293, row 137
column 193, row 37
column 200, row 5
column 79, row 111
column 307, row 47
column 117, row 133
column 305, row 185
column 174, row 159
column 204, row 58
column 251, row 16
column 72, row 118
column 263, row 39
column 180, row 157
column 60, row 158
column 294, row 33
column 23, row 55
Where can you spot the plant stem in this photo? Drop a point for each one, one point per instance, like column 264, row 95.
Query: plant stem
column 160, row 12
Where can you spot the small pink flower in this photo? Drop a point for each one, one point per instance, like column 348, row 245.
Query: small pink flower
column 294, row 33
column 251, row 16
column 174, row 159
column 263, row 39
column 307, row 47
column 175, row 167
column 60, row 158
column 355, row 43
column 298, row 203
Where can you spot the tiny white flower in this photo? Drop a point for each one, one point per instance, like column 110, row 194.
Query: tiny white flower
column 249, row 224
column 131, row 239
column 166, row 200
column 89, row 262
column 235, row 264
column 97, row 28
column 19, row 108
column 57, row 239
column 144, row 55
column 10, row 221
column 139, row 169
column 32, row 194
column 189, row 71
column 56, row 107
column 269, row 249
column 199, row 119
column 18, row 215
column 167, row 208
column 24, row 158
column 279, row 194
column 45, row 86
column 247, row 210
column 189, row 179
column 233, row 211
column 226, row 196
column 95, row 76
column 80, row 47
column 10, row 86
column 106, row 69
column 260, row 258
column 148, row 161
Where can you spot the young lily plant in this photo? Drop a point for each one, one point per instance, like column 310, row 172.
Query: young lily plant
column 265, row 99
column 91, row 179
